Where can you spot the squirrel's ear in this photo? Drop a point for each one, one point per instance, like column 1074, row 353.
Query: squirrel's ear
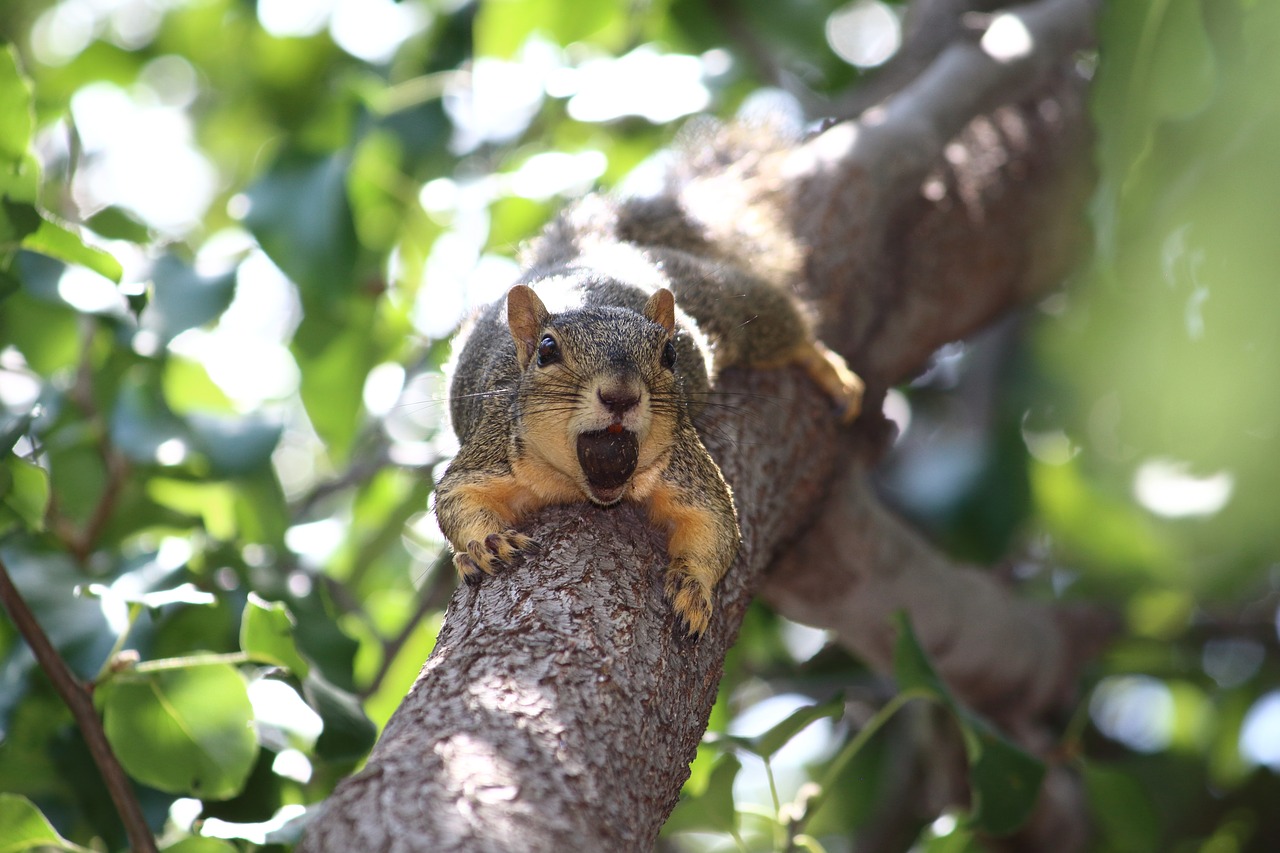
column 526, row 316
column 661, row 309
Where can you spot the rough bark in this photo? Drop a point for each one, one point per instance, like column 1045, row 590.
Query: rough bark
column 559, row 710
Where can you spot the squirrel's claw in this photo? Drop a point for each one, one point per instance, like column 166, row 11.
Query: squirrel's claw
column 497, row 552
column 690, row 598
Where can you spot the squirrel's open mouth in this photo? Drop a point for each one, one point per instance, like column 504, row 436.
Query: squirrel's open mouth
column 608, row 460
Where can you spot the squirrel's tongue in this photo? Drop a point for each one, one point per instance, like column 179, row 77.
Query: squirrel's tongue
column 608, row 460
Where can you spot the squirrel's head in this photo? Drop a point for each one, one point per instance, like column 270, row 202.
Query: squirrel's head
column 598, row 388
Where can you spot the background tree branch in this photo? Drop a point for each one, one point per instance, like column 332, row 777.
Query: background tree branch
column 559, row 710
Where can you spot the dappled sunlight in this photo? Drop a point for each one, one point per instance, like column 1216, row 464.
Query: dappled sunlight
column 864, row 33
column 645, row 82
column 141, row 155
column 1136, row 710
column 1007, row 39
column 1167, row 488
column 1260, row 734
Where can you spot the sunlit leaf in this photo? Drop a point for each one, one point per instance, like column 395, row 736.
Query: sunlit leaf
column 24, row 827
column 26, row 492
column 266, row 634
column 777, row 737
column 186, row 731
column 502, row 26
column 15, row 106
column 59, row 242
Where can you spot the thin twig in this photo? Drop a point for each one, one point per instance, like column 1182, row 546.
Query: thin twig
column 77, row 699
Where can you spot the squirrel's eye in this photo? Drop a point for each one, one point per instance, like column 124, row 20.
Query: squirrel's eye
column 669, row 356
column 548, row 351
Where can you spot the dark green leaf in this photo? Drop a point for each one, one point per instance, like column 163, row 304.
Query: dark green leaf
column 1122, row 809
column 144, row 429
column 348, row 734
column 235, row 445
column 184, row 299
column 18, row 220
column 1004, row 779
column 911, row 667
column 114, row 223
column 12, row 429
column 300, row 215
column 185, row 731
column 266, row 635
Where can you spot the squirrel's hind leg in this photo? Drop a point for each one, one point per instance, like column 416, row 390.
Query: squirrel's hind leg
column 831, row 373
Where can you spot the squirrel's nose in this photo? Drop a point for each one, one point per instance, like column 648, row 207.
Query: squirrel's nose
column 618, row 400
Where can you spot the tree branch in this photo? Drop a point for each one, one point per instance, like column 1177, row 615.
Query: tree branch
column 558, row 710
column 77, row 699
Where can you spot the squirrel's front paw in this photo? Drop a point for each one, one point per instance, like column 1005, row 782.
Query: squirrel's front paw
column 690, row 597
column 498, row 551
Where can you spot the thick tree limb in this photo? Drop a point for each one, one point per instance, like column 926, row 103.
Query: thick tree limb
column 559, row 710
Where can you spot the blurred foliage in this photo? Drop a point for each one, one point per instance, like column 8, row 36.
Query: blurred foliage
column 235, row 238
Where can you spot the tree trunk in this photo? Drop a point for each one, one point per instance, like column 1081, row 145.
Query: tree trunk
column 559, row 709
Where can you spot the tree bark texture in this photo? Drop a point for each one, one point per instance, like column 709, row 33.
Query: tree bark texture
column 560, row 709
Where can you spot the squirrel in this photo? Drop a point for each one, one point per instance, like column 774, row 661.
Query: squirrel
column 583, row 383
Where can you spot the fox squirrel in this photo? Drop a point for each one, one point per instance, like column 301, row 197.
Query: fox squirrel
column 583, row 384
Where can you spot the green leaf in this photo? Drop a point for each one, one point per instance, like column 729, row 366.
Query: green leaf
column 713, row 809
column 184, row 299
column 235, row 445
column 184, row 731
column 27, row 491
column 777, row 737
column 15, row 106
column 115, row 223
column 911, row 667
column 1122, row 810
column 348, row 734
column 143, row 427
column 12, row 429
column 1176, row 60
column 1004, row 779
column 24, row 827
column 55, row 241
column 18, row 220
column 266, row 635
column 502, row 26
column 300, row 214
